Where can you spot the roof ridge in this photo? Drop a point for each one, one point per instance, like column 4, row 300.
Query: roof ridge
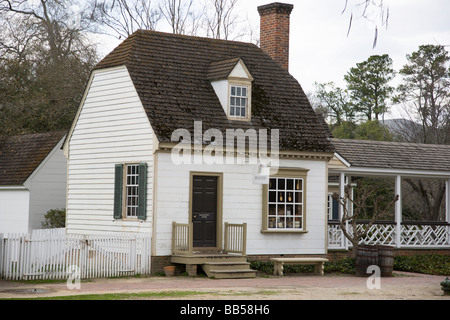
column 127, row 46
column 176, row 35
column 392, row 142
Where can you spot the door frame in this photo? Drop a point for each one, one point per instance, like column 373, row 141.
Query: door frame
column 219, row 203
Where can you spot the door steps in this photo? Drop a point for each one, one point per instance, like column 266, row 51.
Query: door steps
column 218, row 266
column 228, row 270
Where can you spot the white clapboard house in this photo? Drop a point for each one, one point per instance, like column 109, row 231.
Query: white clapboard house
column 156, row 93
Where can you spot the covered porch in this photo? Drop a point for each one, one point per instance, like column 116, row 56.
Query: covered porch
column 399, row 162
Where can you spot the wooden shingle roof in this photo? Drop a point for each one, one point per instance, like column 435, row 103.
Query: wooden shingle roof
column 21, row 155
column 172, row 75
column 394, row 155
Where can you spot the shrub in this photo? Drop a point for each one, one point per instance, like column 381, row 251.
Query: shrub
column 55, row 218
column 428, row 264
column 262, row 266
column 346, row 266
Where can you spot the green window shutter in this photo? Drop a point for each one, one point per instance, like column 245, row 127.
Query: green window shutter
column 142, row 210
column 118, row 191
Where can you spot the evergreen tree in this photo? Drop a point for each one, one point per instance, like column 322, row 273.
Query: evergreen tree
column 368, row 84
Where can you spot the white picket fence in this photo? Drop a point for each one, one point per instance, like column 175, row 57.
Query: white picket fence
column 53, row 254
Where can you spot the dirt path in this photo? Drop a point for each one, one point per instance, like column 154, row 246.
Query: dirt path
column 403, row 286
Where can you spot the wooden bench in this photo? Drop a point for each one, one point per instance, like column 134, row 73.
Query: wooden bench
column 279, row 262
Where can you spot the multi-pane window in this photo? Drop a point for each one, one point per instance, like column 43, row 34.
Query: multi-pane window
column 285, row 204
column 238, row 101
column 132, row 190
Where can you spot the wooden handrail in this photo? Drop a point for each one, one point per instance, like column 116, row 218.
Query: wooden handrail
column 235, row 238
column 182, row 238
column 387, row 222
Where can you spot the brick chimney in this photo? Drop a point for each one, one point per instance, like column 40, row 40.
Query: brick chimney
column 275, row 23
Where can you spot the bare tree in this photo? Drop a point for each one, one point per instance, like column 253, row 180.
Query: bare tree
column 57, row 23
column 182, row 16
column 214, row 19
column 222, row 19
column 46, row 60
column 359, row 208
column 123, row 17
column 425, row 199
column 16, row 38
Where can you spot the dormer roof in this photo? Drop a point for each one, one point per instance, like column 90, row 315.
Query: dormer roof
column 222, row 70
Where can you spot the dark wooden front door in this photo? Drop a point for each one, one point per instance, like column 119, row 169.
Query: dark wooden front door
column 204, row 210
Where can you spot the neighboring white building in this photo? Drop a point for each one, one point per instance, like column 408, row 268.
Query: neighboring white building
column 32, row 180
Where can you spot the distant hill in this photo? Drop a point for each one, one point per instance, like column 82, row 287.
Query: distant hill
column 403, row 128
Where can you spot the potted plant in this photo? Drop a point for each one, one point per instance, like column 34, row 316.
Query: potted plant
column 169, row 271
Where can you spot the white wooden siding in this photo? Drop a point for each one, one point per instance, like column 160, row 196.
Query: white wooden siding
column 48, row 187
column 242, row 202
column 111, row 128
column 14, row 206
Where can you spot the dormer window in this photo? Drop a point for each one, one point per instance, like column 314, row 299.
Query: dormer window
column 238, row 101
column 232, row 83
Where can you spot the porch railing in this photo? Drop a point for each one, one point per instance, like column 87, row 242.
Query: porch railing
column 412, row 235
column 182, row 238
column 235, row 238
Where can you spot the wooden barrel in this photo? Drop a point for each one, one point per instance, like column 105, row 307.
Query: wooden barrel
column 365, row 256
column 386, row 260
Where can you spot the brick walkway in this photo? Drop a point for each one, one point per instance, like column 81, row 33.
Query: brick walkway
column 291, row 287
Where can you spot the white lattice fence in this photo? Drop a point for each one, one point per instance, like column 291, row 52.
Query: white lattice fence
column 379, row 234
column 336, row 239
column 436, row 235
column 425, row 235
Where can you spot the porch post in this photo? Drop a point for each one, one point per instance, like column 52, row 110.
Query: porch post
column 447, row 200
column 398, row 210
column 447, row 207
column 341, row 195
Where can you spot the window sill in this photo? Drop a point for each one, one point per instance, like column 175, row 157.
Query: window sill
column 232, row 118
column 284, row 231
column 129, row 220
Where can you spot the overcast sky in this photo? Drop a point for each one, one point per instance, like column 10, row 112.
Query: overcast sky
column 321, row 51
